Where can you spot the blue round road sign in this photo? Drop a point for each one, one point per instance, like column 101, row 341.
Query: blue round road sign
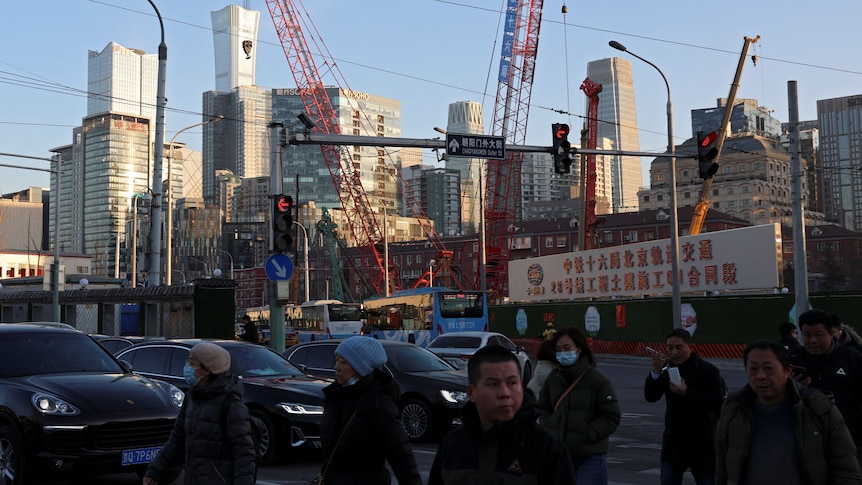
column 279, row 267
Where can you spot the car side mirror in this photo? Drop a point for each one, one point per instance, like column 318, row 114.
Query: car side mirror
column 126, row 365
column 521, row 349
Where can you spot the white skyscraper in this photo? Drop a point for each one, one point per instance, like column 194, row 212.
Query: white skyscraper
column 466, row 117
column 235, row 41
column 121, row 80
column 618, row 122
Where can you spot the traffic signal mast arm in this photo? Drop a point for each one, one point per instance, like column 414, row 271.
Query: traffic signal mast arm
column 704, row 203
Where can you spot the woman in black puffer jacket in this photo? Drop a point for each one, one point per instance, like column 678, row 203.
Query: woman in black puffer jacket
column 363, row 405
column 213, row 432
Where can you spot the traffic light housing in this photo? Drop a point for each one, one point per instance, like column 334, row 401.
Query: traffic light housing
column 282, row 222
column 707, row 152
column 560, row 148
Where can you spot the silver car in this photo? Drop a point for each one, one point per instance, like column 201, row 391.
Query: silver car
column 457, row 348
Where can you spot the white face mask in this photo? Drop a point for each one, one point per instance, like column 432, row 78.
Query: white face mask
column 353, row 380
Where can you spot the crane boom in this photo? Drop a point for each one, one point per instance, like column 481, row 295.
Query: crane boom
column 511, row 110
column 702, row 206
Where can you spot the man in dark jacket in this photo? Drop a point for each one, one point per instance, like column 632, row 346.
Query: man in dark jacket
column 776, row 431
column 499, row 441
column 789, row 337
column 691, row 411
column 831, row 367
column 213, row 432
column 249, row 330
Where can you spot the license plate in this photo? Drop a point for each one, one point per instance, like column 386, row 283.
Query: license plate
column 140, row 455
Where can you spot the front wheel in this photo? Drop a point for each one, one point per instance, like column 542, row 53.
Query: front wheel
column 416, row 420
column 266, row 440
column 12, row 470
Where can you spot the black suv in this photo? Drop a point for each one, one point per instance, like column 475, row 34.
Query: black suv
column 284, row 403
column 68, row 407
column 432, row 391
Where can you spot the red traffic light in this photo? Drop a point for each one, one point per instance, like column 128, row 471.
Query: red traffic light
column 709, row 139
column 283, row 203
column 561, row 131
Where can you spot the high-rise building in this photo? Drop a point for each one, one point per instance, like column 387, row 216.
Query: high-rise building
column 466, row 117
column 235, row 41
column 840, row 157
column 618, row 122
column 122, row 80
column 106, row 169
column 438, row 194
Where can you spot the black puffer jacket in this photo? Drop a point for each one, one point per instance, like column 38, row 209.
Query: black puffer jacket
column 373, row 436
column 689, row 420
column 212, row 436
column 519, row 451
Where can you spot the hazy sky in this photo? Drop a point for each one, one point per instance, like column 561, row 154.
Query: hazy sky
column 429, row 53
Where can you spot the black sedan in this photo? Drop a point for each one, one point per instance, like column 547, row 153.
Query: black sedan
column 70, row 408
column 432, row 391
column 285, row 404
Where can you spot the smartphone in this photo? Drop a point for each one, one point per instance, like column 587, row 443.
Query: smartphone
column 652, row 350
column 673, row 373
column 798, row 370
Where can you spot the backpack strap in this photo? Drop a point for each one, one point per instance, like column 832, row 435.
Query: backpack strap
column 571, row 386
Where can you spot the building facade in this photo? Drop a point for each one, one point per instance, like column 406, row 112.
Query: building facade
column 618, row 123
column 745, row 117
column 466, row 117
column 840, row 157
column 235, row 42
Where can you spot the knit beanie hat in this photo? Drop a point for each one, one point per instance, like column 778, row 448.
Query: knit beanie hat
column 212, row 357
column 362, row 353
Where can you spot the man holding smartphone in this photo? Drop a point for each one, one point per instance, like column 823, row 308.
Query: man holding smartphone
column 693, row 404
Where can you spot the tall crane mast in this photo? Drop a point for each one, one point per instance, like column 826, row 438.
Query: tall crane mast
column 346, row 177
column 589, row 222
column 511, row 110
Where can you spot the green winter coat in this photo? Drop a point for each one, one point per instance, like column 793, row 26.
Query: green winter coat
column 587, row 416
column 827, row 455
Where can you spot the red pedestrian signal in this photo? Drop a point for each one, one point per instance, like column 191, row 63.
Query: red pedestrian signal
column 560, row 148
column 707, row 152
column 282, row 223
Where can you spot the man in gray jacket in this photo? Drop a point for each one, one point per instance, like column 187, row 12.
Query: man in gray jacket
column 776, row 431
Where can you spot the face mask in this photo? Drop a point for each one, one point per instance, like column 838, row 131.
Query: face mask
column 189, row 375
column 567, row 358
column 353, row 380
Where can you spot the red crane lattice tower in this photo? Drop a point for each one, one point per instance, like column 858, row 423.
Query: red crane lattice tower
column 288, row 21
column 511, row 111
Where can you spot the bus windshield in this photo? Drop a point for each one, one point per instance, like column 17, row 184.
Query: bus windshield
column 344, row 313
column 461, row 304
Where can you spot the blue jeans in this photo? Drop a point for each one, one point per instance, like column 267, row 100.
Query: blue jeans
column 592, row 470
column 672, row 475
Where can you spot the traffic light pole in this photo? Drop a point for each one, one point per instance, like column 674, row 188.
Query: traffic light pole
column 276, row 309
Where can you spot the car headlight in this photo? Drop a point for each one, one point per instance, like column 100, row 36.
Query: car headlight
column 298, row 408
column 454, row 396
column 48, row 404
column 177, row 395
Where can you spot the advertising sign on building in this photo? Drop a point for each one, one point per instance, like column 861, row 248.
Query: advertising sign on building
column 737, row 259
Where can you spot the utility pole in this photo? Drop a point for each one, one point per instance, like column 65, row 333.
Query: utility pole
column 278, row 140
column 800, row 264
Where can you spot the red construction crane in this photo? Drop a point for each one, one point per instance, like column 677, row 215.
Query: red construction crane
column 589, row 220
column 288, row 17
column 511, row 109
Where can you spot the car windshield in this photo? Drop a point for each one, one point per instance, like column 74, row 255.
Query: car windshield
column 259, row 361
column 415, row 359
column 455, row 342
column 51, row 353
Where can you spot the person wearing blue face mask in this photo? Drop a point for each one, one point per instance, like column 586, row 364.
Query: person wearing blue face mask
column 212, row 434
column 361, row 409
column 580, row 404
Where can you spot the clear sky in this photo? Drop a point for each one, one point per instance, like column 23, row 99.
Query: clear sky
column 429, row 53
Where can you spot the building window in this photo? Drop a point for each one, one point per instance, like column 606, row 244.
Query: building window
column 685, row 173
column 728, row 169
column 821, row 247
column 659, row 176
column 475, row 247
column 836, row 246
column 714, row 191
column 409, row 259
column 745, row 189
column 549, row 242
column 757, row 166
column 730, row 191
column 731, row 203
column 561, row 241
column 686, row 195
column 716, row 205
column 608, row 236
column 659, row 198
column 646, row 198
column 746, row 203
column 742, row 167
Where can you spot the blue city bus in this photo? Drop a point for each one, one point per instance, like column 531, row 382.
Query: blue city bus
column 419, row 315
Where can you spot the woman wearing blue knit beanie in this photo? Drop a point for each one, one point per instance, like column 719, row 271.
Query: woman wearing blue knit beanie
column 362, row 407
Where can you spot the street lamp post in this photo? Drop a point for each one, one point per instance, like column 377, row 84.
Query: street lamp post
column 135, row 196
column 305, row 257
column 431, row 273
column 158, row 152
column 674, row 227
column 230, row 258
column 169, row 193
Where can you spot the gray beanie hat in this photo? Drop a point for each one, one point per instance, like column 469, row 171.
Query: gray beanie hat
column 362, row 353
column 212, row 357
